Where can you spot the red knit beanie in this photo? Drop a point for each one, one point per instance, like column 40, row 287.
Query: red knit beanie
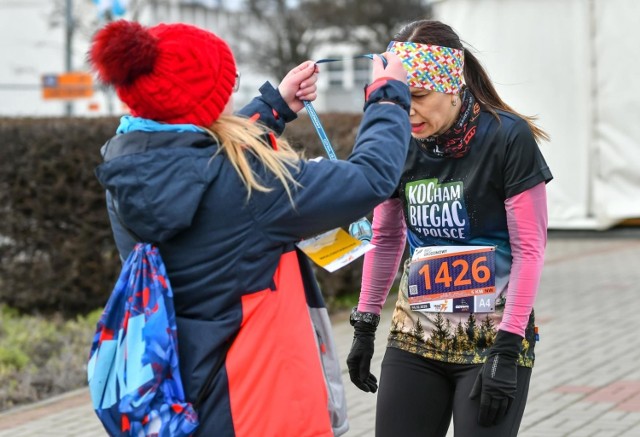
column 171, row 73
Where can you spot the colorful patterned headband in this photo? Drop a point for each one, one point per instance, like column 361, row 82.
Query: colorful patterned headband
column 431, row 67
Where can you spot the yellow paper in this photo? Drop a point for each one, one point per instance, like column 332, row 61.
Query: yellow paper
column 334, row 249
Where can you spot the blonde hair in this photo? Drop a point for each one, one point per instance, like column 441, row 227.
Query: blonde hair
column 238, row 137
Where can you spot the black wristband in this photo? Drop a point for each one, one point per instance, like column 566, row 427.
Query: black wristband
column 369, row 318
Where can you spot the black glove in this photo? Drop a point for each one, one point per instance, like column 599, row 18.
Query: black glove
column 359, row 359
column 497, row 381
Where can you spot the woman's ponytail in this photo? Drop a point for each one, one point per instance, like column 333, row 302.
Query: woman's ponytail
column 482, row 89
column 437, row 33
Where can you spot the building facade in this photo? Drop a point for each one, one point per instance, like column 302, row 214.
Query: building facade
column 37, row 46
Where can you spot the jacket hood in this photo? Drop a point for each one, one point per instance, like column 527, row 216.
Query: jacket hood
column 157, row 179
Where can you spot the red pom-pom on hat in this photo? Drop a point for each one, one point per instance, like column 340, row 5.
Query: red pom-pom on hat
column 122, row 51
column 171, row 73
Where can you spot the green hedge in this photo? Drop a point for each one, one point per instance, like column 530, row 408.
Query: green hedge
column 57, row 254
column 42, row 356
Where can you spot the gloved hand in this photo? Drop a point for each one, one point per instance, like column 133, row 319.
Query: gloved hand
column 497, row 381
column 359, row 359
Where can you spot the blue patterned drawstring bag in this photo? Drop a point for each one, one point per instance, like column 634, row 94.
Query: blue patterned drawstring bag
column 133, row 371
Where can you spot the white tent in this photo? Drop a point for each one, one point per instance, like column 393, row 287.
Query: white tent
column 575, row 64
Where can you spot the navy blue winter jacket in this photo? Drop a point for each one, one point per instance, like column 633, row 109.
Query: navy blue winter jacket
column 221, row 249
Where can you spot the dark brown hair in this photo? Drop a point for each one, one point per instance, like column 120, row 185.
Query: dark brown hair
column 437, row 33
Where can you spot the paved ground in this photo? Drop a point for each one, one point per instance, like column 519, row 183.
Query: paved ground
column 586, row 382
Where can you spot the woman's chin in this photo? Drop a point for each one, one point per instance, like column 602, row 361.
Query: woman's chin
column 420, row 135
column 422, row 131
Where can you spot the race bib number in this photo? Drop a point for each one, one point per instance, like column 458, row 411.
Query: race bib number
column 452, row 279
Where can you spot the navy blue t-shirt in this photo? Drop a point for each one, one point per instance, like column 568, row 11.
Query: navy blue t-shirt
column 460, row 202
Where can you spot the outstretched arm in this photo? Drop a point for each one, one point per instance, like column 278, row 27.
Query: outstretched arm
column 381, row 263
column 332, row 193
column 527, row 223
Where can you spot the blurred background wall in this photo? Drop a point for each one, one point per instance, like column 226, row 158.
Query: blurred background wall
column 573, row 63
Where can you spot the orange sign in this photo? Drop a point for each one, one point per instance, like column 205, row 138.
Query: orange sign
column 74, row 85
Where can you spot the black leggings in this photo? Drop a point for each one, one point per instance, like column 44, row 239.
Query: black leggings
column 418, row 396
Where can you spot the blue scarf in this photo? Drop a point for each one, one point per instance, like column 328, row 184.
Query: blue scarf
column 129, row 123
